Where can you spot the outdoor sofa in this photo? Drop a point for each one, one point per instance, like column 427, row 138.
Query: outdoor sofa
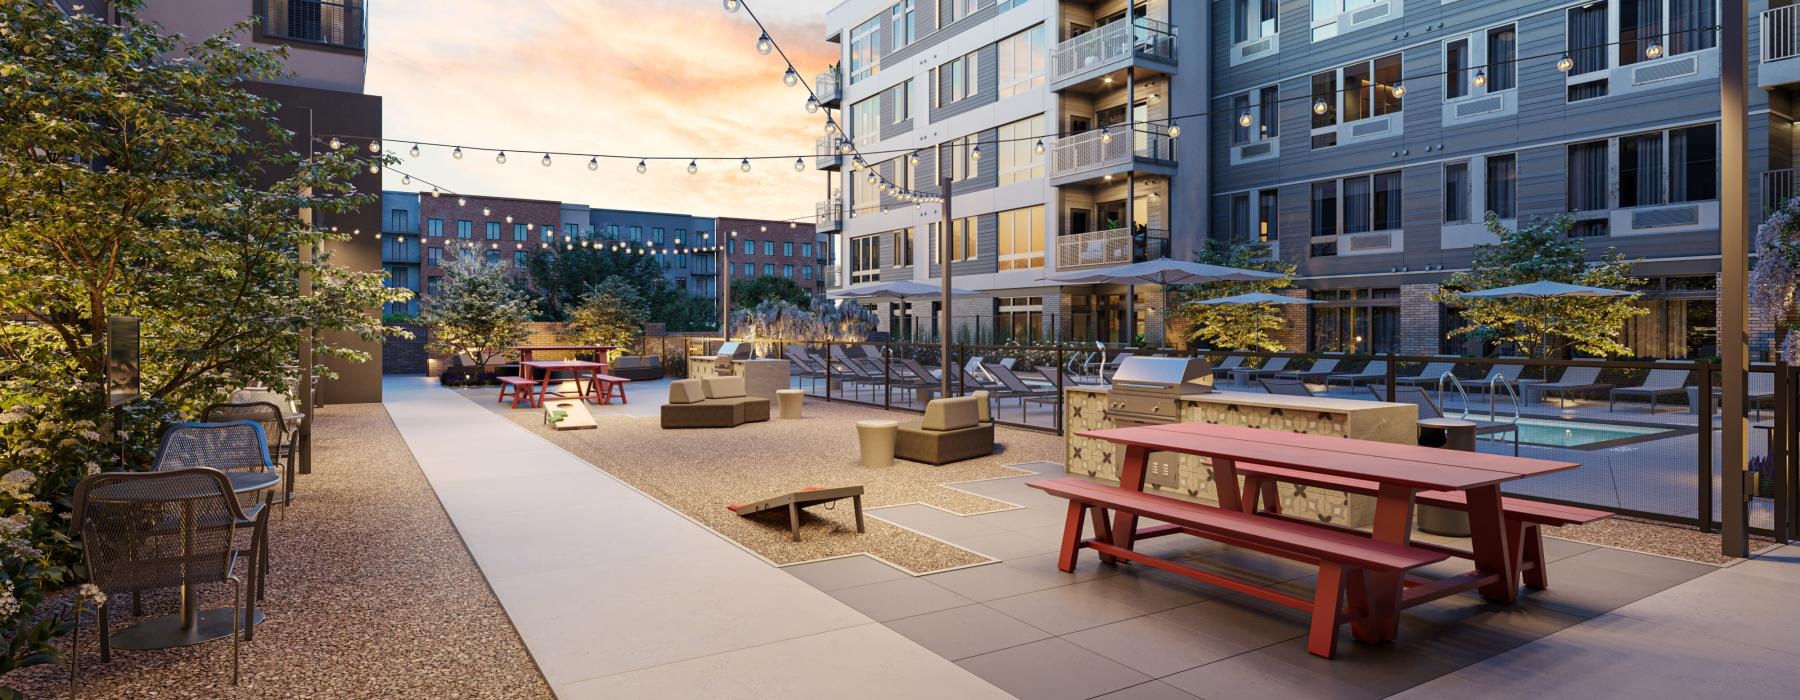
column 713, row 402
column 637, row 368
column 952, row 430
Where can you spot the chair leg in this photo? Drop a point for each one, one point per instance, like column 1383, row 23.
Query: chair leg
column 239, row 625
column 105, row 631
column 75, row 648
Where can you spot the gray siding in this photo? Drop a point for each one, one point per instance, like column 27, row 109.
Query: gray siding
column 987, row 67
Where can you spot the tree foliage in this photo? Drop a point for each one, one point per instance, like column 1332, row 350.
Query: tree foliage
column 562, row 278
column 756, row 290
column 1777, row 275
column 1235, row 326
column 140, row 176
column 1541, row 250
column 477, row 310
column 612, row 313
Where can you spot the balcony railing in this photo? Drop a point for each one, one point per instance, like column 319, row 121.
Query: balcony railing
column 333, row 22
column 1778, row 187
column 829, row 152
column 829, row 87
column 1114, row 42
column 830, row 216
column 831, row 278
column 1115, row 145
column 1110, row 247
column 1781, row 33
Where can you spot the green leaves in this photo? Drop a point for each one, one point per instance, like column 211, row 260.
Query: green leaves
column 477, row 311
column 1252, row 326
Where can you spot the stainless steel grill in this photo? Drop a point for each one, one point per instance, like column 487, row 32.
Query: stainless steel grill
column 728, row 352
column 1145, row 390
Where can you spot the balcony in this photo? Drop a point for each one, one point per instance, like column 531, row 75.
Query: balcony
column 1780, row 47
column 829, row 88
column 1777, row 187
column 1100, row 153
column 829, row 153
column 830, row 216
column 1141, row 42
column 329, row 22
column 1110, row 247
column 829, row 277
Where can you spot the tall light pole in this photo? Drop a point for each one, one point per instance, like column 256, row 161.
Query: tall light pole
column 725, row 284
column 1734, row 176
column 944, row 294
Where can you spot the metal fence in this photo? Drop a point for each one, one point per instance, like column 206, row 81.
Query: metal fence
column 1641, row 453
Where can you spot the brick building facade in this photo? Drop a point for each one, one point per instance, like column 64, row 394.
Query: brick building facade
column 774, row 249
column 506, row 229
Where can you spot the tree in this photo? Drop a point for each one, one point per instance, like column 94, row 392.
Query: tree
column 1236, row 326
column 477, row 311
column 847, row 321
column 612, row 313
column 1776, row 276
column 561, row 279
column 1539, row 328
column 136, row 185
column 756, row 290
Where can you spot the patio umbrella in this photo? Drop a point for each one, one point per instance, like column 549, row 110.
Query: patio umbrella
column 1257, row 298
column 902, row 291
column 1545, row 289
column 1164, row 272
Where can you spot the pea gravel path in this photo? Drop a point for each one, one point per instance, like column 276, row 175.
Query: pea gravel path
column 374, row 595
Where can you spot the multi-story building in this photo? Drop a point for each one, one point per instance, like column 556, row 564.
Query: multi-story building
column 1363, row 140
column 321, row 94
column 401, row 247
column 505, row 229
column 1052, row 121
column 765, row 248
column 697, row 274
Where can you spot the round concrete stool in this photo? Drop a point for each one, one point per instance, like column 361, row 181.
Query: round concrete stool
column 877, row 440
column 790, row 400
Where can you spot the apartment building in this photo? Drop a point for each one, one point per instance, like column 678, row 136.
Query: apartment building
column 766, row 248
column 1051, row 118
column 697, row 274
column 323, row 94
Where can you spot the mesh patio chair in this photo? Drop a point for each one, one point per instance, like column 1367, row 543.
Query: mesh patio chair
column 143, row 531
column 1375, row 370
column 1285, row 386
column 1659, row 383
column 1230, row 362
column 1573, row 379
column 1273, row 366
column 1317, row 372
column 237, row 446
column 282, row 445
column 1428, row 375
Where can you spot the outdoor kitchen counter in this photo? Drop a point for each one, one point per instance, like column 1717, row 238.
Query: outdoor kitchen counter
column 1366, row 420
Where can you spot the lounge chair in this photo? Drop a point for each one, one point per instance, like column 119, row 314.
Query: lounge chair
column 1572, row 379
column 1320, row 369
column 1376, row 370
column 1429, row 409
column 1285, row 386
column 1508, row 373
column 952, row 430
column 1659, row 383
column 1273, row 366
column 1230, row 362
column 1430, row 374
column 1760, row 388
column 1012, row 387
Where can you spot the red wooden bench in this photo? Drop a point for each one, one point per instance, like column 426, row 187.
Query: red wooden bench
column 605, row 387
column 522, row 389
column 1524, row 518
column 1344, row 559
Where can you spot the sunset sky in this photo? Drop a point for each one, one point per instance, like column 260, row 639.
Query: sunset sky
column 638, row 77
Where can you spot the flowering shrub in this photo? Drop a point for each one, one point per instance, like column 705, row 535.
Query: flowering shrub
column 1773, row 282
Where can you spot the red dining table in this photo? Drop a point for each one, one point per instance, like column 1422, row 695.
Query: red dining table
column 1401, row 471
column 550, row 367
column 526, row 352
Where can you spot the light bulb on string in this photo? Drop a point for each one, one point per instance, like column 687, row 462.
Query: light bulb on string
column 375, row 146
column 791, row 77
column 1565, row 64
column 1174, row 131
column 1480, row 78
column 764, row 44
column 374, row 169
column 1106, row 134
column 457, row 154
column 509, row 218
column 799, row 165
column 744, row 165
column 545, row 161
column 1399, row 90
column 462, row 202
column 1244, row 119
column 732, row 5
column 334, row 143
column 1320, row 107
column 693, row 167
column 501, row 158
column 434, row 192
column 1039, row 147
column 1655, row 50
column 414, row 151
column 593, row 164
column 975, row 152
column 915, row 158
column 642, row 166
column 812, row 105
column 486, row 211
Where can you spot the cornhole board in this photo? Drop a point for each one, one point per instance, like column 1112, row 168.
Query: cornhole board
column 809, row 496
column 575, row 414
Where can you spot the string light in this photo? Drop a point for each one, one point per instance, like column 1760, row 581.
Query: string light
column 1565, row 64
column 405, row 179
column 374, row 169
column 593, row 164
column 693, row 167
column 334, row 143
column 1399, row 90
column 791, row 77
column 486, row 211
column 501, row 159
column 1038, row 149
column 642, row 166
column 732, row 5
column 1174, row 131
column 546, row 160
column 744, row 165
column 1244, row 119
column 1106, row 134
column 414, row 151
column 1480, row 78
column 1320, row 107
column 812, row 105
column 457, row 154
column 1655, row 50
column 799, row 165
column 764, row 45
column 375, row 146
column 461, row 202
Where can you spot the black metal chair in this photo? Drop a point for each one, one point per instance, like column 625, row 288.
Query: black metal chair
column 235, row 446
column 283, row 447
column 151, row 530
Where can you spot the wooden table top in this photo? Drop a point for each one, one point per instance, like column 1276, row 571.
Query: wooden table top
column 563, row 364
column 1410, row 465
column 564, row 347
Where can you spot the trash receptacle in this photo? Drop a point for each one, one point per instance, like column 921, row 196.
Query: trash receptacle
column 1450, row 434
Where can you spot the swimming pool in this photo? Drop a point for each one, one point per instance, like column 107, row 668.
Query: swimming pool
column 1581, row 434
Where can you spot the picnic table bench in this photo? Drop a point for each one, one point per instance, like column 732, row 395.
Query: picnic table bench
column 605, row 387
column 1397, row 474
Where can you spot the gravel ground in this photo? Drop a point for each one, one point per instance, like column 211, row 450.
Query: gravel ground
column 1650, row 537
column 373, row 595
column 700, row 472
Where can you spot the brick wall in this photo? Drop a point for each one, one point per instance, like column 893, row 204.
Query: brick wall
column 1419, row 318
column 1293, row 333
column 405, row 356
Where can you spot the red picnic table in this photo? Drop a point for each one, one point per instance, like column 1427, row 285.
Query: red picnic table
column 598, row 387
column 1401, row 472
column 526, row 351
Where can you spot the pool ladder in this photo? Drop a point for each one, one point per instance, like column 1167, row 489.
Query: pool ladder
column 1495, row 384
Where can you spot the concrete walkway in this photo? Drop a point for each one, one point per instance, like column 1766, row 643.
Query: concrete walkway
column 617, row 596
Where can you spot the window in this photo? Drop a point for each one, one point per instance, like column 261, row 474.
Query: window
column 1456, row 193
column 612, row 231
column 570, row 230
column 434, row 285
column 1368, row 203
column 1262, row 106
column 1680, row 165
column 865, row 195
column 1240, row 217
column 1501, row 188
column 1022, row 239
column 903, row 247
column 1587, row 38
column 434, row 257
column 806, row 272
column 1502, row 52
column 1355, row 320
column 962, row 240
column 493, row 256
column 905, row 31
column 806, row 250
column 1019, row 156
column 865, row 121
column 1456, row 69
column 865, row 50
column 769, row 248
column 1324, row 94
column 1266, row 208
column 900, row 96
column 520, row 231
column 1022, row 62
column 1018, row 318
column 656, row 234
column 1386, row 216
column 1240, row 127
column 1368, row 92
column 637, row 233
column 465, row 228
column 951, row 10
column 1254, row 19
column 787, row 249
column 958, row 160
column 519, row 259
column 749, row 247
column 434, row 227
column 768, row 269
column 787, row 271
column 957, row 79
column 1585, row 183
column 1324, row 208
column 399, row 220
column 1005, row 5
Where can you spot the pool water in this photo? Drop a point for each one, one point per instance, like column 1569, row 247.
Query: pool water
column 1565, row 433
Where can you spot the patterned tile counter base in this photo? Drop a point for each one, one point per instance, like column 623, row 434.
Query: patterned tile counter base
column 1366, row 420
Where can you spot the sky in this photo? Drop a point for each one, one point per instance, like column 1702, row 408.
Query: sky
column 635, row 77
